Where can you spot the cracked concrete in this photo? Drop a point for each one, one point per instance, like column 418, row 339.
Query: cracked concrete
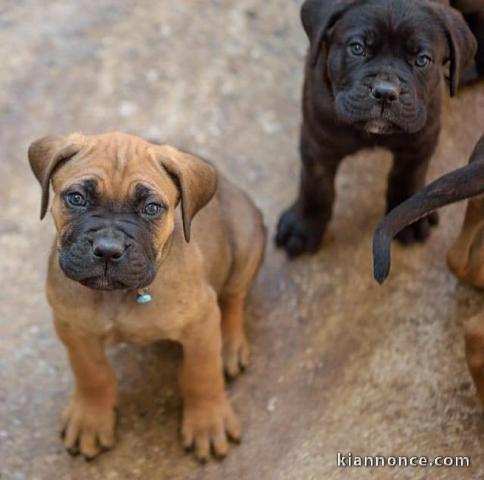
column 339, row 363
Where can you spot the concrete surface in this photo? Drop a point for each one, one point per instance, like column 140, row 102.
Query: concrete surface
column 339, row 363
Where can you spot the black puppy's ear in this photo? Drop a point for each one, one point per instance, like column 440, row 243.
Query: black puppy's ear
column 318, row 16
column 461, row 41
column 195, row 178
column 47, row 154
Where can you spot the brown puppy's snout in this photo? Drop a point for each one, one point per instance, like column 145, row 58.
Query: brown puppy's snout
column 109, row 246
column 385, row 91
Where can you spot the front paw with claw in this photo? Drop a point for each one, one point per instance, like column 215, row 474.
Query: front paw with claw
column 209, row 425
column 88, row 427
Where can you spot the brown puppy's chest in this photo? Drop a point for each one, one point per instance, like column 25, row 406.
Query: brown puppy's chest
column 134, row 323
column 116, row 316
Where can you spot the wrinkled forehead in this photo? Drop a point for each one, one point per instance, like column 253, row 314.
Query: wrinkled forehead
column 406, row 22
column 116, row 172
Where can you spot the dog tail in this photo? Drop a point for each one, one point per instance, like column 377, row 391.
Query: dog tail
column 460, row 184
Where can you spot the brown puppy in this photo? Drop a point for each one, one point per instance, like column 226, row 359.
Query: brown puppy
column 465, row 258
column 119, row 232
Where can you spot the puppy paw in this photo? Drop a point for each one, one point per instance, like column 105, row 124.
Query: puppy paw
column 418, row 231
column 298, row 234
column 236, row 356
column 87, row 429
column 209, row 426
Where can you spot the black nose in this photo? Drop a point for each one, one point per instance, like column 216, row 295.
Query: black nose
column 108, row 249
column 385, row 91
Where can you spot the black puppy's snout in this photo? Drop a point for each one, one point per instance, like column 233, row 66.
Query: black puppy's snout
column 384, row 91
column 108, row 248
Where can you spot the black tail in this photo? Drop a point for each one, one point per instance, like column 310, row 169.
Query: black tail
column 460, row 184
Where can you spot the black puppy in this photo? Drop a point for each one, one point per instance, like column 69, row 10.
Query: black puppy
column 373, row 78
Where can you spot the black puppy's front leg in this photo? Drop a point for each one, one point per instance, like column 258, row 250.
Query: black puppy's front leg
column 301, row 227
column 407, row 176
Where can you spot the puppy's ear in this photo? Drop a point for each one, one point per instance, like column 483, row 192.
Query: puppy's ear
column 195, row 179
column 462, row 43
column 45, row 155
column 317, row 17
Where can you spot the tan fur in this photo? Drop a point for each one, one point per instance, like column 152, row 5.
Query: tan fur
column 217, row 267
column 466, row 261
column 466, row 256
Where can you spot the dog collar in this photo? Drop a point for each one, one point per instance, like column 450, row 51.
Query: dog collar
column 143, row 297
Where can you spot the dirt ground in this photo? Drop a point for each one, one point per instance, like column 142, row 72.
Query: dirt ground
column 338, row 362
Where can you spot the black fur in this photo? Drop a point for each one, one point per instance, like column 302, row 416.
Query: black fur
column 344, row 110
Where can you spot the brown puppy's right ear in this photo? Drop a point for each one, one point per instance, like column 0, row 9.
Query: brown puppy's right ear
column 45, row 155
column 318, row 16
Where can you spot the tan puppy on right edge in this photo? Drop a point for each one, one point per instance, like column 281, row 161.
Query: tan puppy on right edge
column 123, row 268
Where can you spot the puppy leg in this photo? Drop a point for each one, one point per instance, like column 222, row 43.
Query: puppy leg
column 407, row 177
column 89, row 419
column 208, row 418
column 474, row 339
column 301, row 227
column 235, row 344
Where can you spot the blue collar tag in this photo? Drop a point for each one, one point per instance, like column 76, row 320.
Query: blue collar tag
column 143, row 297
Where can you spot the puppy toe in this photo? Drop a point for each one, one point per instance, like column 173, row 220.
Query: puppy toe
column 232, row 369
column 232, row 427
column 202, row 448
column 71, row 437
column 187, row 439
column 106, row 439
column 244, row 358
column 88, row 445
column 73, row 451
column 284, row 227
column 282, row 233
column 220, row 445
column 295, row 246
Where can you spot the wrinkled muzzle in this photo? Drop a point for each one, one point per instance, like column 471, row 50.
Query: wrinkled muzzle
column 107, row 256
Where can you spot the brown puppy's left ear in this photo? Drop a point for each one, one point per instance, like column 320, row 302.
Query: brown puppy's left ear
column 195, row 178
column 461, row 41
column 317, row 17
column 45, row 155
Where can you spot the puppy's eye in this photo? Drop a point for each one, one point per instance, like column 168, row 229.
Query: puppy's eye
column 356, row 48
column 422, row 61
column 76, row 200
column 152, row 209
